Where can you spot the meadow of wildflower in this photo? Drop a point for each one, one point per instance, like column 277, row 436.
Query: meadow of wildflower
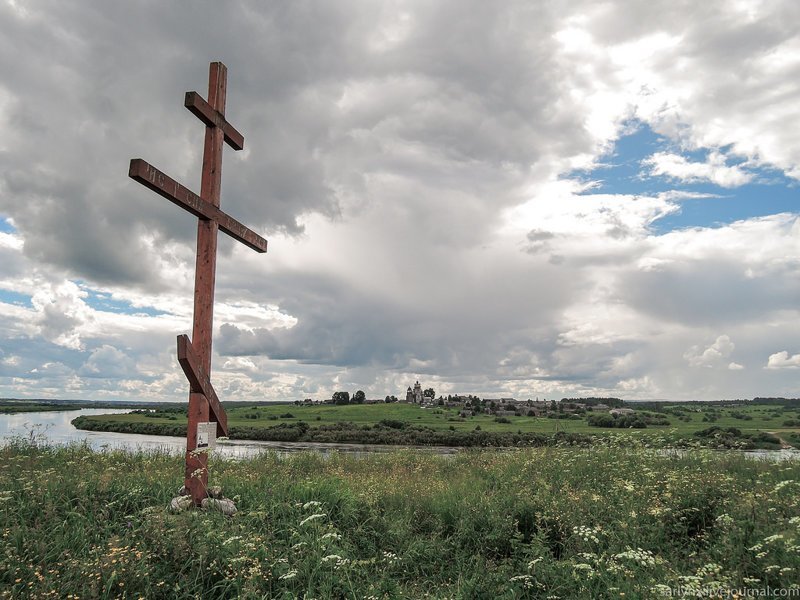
column 555, row 523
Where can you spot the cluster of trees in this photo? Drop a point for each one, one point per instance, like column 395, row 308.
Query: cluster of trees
column 635, row 420
column 732, row 437
column 787, row 402
column 594, row 401
column 342, row 398
column 170, row 412
column 621, row 422
column 88, row 424
column 741, row 416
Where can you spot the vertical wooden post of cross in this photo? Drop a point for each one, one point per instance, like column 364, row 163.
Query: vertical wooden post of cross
column 194, row 355
column 196, row 477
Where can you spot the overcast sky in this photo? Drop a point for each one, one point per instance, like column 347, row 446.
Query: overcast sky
column 503, row 198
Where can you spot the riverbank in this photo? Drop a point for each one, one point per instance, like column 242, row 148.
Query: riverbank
column 401, row 433
column 569, row 523
column 743, row 426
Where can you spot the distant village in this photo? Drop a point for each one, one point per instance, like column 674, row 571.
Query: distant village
column 472, row 405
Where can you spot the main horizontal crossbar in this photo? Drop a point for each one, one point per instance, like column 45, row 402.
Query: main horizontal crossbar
column 146, row 174
column 200, row 383
column 206, row 113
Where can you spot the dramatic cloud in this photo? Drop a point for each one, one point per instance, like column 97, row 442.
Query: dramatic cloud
column 431, row 180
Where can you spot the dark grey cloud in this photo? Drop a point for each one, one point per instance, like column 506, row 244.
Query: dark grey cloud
column 325, row 103
column 443, row 331
column 710, row 292
column 384, row 145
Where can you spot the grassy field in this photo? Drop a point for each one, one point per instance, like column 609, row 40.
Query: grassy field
column 535, row 523
column 684, row 420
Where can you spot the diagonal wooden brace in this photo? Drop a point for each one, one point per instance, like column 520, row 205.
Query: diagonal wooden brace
column 200, row 383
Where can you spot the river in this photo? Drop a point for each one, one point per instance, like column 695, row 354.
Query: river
column 56, row 427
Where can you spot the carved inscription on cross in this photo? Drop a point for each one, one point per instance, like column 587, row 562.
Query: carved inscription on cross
column 195, row 356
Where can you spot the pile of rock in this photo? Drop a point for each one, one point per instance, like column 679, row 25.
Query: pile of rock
column 214, row 501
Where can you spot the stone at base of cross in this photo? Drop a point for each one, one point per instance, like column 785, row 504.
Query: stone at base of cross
column 214, row 501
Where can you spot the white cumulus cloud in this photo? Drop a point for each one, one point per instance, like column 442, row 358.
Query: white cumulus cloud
column 713, row 355
column 714, row 170
column 782, row 360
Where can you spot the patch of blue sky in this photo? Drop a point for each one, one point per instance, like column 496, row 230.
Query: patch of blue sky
column 9, row 297
column 757, row 199
column 769, row 191
column 105, row 303
column 5, row 226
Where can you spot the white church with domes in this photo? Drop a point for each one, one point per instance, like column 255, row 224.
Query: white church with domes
column 415, row 396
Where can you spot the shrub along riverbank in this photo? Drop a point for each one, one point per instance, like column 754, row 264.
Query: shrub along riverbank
column 394, row 432
column 536, row 523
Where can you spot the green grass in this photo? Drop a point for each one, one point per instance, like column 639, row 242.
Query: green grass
column 441, row 418
column 558, row 523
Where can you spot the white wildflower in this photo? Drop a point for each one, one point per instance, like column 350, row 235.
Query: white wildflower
column 290, row 575
column 641, row 557
column 526, row 580
column 709, row 569
column 231, row 540
column 661, row 589
column 587, row 534
column 724, row 520
column 336, row 559
column 331, row 557
column 313, row 517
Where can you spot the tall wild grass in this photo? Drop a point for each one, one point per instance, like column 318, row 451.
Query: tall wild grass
column 535, row 523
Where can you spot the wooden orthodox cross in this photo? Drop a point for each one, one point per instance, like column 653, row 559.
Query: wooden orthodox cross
column 195, row 356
